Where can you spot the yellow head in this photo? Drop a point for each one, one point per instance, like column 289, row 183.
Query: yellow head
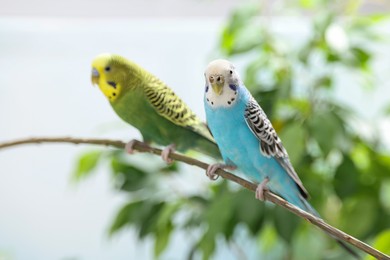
column 113, row 74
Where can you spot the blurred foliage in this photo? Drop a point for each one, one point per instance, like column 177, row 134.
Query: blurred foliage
column 347, row 175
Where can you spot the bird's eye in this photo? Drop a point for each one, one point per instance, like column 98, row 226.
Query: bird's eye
column 108, row 68
column 231, row 72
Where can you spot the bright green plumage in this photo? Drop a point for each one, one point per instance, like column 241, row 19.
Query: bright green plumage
column 145, row 102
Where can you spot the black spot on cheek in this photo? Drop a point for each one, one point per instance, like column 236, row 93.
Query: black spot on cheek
column 232, row 99
column 112, row 84
column 235, row 93
column 212, row 103
column 208, row 99
column 229, row 102
column 114, row 94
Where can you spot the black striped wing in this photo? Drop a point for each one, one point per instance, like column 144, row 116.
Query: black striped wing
column 170, row 106
column 270, row 143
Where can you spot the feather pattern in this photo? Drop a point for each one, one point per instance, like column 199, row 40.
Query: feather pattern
column 170, row 106
column 270, row 143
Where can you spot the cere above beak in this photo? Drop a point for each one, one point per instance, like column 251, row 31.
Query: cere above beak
column 95, row 76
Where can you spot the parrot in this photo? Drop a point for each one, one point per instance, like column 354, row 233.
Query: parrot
column 247, row 140
column 148, row 104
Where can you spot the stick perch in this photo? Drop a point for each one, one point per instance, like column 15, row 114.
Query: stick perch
column 142, row 147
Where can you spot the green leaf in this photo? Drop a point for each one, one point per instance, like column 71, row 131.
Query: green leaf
column 310, row 244
column 321, row 24
column 217, row 216
column 360, row 155
column 327, row 130
column 248, row 210
column 164, row 227
column 167, row 213
column 294, row 140
column 379, row 166
column 125, row 216
column 268, row 238
column 227, row 40
column 234, row 30
column 346, row 179
column 86, row 164
column 199, row 204
column 170, row 168
column 362, row 56
column 149, row 215
column 381, row 243
column 220, row 204
column 128, row 177
column 207, row 245
column 306, row 51
column 162, row 239
column 385, row 194
column 332, row 56
column 324, row 81
column 142, row 214
column 285, row 223
column 358, row 215
column 266, row 100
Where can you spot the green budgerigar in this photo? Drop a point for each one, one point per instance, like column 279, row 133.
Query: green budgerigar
column 145, row 102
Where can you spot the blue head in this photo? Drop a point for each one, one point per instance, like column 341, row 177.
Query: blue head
column 222, row 84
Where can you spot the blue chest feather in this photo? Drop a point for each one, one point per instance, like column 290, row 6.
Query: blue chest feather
column 238, row 145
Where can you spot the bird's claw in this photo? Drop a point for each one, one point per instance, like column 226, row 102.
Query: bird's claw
column 261, row 188
column 212, row 168
column 166, row 152
column 130, row 146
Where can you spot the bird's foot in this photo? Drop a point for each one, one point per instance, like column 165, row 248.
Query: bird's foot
column 166, row 152
column 212, row 168
column 130, row 146
column 261, row 188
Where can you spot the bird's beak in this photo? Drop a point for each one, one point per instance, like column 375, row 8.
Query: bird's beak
column 217, row 83
column 95, row 76
column 217, row 88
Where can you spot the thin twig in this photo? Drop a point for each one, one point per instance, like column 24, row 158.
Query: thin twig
column 142, row 147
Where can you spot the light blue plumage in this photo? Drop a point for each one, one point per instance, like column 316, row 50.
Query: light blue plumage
column 246, row 138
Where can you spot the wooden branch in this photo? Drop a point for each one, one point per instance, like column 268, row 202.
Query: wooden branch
column 142, row 147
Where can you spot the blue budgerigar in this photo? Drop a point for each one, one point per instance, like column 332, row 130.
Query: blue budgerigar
column 246, row 138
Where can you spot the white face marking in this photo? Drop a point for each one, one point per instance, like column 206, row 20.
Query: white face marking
column 228, row 97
